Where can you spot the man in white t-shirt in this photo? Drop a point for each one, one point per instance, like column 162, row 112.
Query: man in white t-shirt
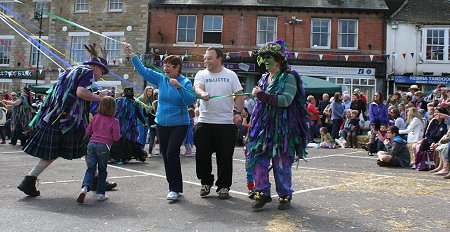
column 216, row 130
column 249, row 103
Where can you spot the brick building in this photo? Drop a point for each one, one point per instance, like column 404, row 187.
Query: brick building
column 339, row 41
column 117, row 19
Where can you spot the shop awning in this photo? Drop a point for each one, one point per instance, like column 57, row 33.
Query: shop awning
column 40, row 88
column 316, row 86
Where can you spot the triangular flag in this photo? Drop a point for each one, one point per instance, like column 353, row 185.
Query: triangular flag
column 412, row 54
column 371, row 57
column 380, row 57
column 346, row 57
column 404, row 55
column 161, row 57
column 320, row 56
column 388, row 56
column 295, row 54
column 338, row 57
column 120, row 61
column 182, row 57
column 250, row 53
column 242, row 54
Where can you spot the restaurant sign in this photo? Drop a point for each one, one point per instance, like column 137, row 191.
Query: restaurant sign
column 428, row 80
column 20, row 74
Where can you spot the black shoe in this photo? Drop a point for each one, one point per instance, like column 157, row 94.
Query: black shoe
column 28, row 186
column 109, row 186
column 381, row 163
column 205, row 190
column 251, row 194
column 284, row 203
column 261, row 200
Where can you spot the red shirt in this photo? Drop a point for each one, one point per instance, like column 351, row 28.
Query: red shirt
column 314, row 111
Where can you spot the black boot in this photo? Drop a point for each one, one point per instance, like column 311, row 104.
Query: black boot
column 28, row 186
column 261, row 200
column 284, row 203
column 108, row 187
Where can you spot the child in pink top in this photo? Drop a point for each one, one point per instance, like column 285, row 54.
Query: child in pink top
column 104, row 129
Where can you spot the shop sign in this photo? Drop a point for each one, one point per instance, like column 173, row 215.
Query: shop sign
column 333, row 71
column 427, row 80
column 19, row 74
column 200, row 65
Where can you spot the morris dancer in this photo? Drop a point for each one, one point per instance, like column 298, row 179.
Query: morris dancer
column 278, row 129
column 61, row 122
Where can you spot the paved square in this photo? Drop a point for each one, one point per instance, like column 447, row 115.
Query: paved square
column 336, row 190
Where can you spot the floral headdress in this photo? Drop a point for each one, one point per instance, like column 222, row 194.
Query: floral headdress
column 276, row 49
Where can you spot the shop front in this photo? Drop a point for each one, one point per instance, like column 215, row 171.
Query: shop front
column 14, row 79
column 348, row 78
column 246, row 72
column 425, row 83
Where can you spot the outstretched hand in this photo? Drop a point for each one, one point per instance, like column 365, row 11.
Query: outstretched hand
column 127, row 48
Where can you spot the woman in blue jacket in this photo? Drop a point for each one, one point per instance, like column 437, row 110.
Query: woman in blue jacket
column 172, row 118
column 378, row 115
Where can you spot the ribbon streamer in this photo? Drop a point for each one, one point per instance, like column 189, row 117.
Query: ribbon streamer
column 5, row 21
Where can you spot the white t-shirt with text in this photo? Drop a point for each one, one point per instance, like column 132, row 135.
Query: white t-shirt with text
column 217, row 111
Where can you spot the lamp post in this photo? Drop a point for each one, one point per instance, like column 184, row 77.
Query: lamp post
column 294, row 21
column 38, row 16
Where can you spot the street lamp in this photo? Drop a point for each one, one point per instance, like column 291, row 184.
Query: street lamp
column 38, row 16
column 294, row 21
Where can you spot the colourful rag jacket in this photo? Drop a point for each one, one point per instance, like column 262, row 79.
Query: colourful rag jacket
column 277, row 130
column 62, row 106
column 22, row 115
column 128, row 112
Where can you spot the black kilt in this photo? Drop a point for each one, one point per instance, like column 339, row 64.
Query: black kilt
column 48, row 142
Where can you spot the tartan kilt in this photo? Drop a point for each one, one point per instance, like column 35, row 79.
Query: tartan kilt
column 48, row 142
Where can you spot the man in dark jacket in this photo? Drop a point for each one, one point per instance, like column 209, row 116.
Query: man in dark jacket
column 397, row 153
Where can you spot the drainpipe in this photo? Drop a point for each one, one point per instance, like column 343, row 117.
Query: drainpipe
column 147, row 37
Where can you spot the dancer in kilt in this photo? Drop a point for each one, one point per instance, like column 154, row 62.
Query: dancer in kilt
column 59, row 126
column 278, row 128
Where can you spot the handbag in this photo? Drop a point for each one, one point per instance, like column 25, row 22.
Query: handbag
column 424, row 160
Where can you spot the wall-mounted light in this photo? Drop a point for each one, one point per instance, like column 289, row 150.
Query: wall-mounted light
column 233, row 40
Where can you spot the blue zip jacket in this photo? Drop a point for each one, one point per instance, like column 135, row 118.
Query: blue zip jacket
column 378, row 112
column 172, row 102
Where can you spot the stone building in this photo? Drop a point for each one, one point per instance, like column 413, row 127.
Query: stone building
column 116, row 19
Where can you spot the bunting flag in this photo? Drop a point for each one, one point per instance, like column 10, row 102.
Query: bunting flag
column 250, row 53
column 161, row 57
column 412, row 54
column 320, row 56
column 404, row 55
column 295, row 55
column 371, row 57
column 388, row 56
column 346, row 57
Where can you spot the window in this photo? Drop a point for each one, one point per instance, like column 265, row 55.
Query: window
column 212, row 29
column 115, row 5
column 81, row 5
column 348, row 34
column 43, row 6
column 320, row 33
column 9, row 6
column 267, row 30
column 78, row 48
column 435, row 45
column 113, row 49
column 5, row 52
column 186, row 28
column 34, row 55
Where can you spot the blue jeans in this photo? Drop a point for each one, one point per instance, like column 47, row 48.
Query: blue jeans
column 97, row 154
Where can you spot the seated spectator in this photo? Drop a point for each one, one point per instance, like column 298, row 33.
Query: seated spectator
column 396, row 154
column 436, row 129
column 345, row 126
column 420, row 102
column 326, row 141
column 415, row 128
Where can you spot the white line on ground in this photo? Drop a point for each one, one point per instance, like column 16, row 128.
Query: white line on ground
column 337, row 185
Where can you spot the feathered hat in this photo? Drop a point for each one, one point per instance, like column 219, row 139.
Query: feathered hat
column 95, row 58
column 276, row 49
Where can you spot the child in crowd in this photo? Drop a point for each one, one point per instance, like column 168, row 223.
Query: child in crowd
column 104, row 129
column 381, row 134
column 326, row 141
column 189, row 139
column 355, row 127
